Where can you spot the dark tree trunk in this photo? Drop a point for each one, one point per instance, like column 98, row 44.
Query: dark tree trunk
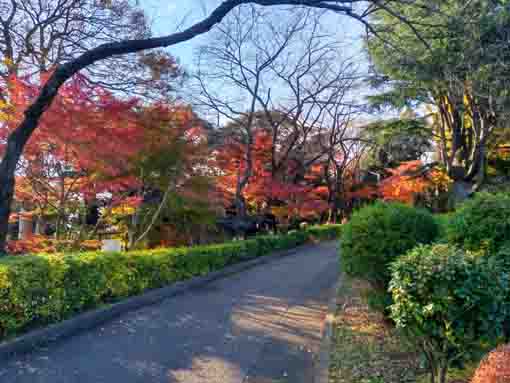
column 19, row 137
column 6, row 191
column 15, row 145
column 240, row 205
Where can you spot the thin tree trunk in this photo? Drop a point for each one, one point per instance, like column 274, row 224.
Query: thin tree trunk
column 58, row 225
column 7, row 171
column 155, row 217
column 239, row 201
column 20, row 136
column 132, row 233
column 443, row 373
column 431, row 363
column 482, row 167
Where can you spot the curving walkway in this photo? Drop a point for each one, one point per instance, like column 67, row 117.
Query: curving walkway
column 258, row 326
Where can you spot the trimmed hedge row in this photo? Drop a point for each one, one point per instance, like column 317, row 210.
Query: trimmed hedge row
column 324, row 232
column 452, row 297
column 36, row 290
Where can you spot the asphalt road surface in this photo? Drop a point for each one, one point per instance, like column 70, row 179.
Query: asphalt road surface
column 262, row 325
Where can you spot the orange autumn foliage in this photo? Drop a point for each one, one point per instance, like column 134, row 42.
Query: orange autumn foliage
column 86, row 131
column 495, row 367
column 289, row 198
column 87, row 140
column 41, row 244
column 409, row 180
column 91, row 147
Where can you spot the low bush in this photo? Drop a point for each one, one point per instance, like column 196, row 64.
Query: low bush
column 443, row 221
column 503, row 254
column 324, row 232
column 377, row 234
column 36, row 290
column 449, row 302
column 481, row 223
column 495, row 367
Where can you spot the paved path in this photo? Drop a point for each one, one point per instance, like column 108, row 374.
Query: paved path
column 258, row 326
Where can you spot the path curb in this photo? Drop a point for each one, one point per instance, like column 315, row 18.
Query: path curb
column 322, row 370
column 94, row 318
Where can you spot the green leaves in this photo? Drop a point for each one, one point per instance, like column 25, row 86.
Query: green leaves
column 396, row 141
column 455, row 301
column 481, row 223
column 377, row 234
column 36, row 290
column 461, row 74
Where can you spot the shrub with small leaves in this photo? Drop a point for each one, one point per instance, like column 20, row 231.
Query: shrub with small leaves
column 36, row 290
column 503, row 254
column 377, row 234
column 324, row 232
column 495, row 367
column 443, row 221
column 481, row 223
column 448, row 301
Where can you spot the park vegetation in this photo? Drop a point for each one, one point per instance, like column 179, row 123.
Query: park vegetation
column 275, row 138
column 447, row 295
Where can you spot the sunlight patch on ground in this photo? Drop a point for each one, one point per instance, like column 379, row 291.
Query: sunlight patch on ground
column 280, row 319
column 365, row 348
column 208, row 369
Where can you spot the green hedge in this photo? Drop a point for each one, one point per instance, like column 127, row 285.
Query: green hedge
column 443, row 222
column 377, row 234
column 325, row 232
column 36, row 290
column 481, row 223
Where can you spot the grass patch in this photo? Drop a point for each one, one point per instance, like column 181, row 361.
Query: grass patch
column 366, row 348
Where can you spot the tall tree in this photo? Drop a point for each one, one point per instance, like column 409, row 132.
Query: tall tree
column 37, row 35
column 172, row 171
column 82, row 148
column 395, row 141
column 280, row 79
column 461, row 74
column 237, row 61
column 19, row 137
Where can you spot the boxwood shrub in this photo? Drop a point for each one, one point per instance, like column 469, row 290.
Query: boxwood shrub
column 443, row 221
column 36, row 290
column 450, row 302
column 377, row 234
column 481, row 223
column 324, row 232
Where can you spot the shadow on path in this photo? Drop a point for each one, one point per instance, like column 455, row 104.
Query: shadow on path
column 258, row 326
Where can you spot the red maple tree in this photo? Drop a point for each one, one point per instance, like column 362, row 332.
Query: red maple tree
column 90, row 142
column 290, row 193
column 410, row 180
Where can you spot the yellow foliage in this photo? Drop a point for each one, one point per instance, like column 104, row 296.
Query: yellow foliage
column 280, row 212
column 8, row 62
column 4, row 107
column 440, row 179
column 122, row 210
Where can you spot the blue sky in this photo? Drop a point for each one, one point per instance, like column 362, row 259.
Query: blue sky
column 171, row 15
column 168, row 15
